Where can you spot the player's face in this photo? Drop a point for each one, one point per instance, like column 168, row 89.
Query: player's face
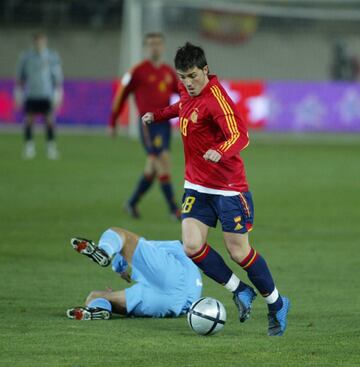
column 40, row 43
column 194, row 79
column 155, row 48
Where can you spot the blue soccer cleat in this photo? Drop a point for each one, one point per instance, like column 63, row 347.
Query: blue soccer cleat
column 243, row 301
column 278, row 319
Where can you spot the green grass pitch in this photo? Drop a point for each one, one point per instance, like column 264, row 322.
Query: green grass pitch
column 307, row 225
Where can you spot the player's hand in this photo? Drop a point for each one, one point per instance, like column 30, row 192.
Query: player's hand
column 126, row 276
column 212, row 156
column 58, row 98
column 19, row 97
column 148, row 118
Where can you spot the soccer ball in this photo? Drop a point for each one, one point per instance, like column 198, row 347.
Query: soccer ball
column 206, row 316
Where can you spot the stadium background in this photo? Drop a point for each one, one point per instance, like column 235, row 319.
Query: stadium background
column 276, row 60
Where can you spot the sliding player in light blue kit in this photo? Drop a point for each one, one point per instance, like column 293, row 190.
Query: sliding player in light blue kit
column 167, row 281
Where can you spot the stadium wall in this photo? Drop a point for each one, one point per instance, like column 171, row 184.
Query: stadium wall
column 270, row 55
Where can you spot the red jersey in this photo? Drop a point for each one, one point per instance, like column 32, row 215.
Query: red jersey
column 152, row 87
column 210, row 121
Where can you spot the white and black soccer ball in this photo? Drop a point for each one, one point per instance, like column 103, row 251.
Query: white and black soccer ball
column 206, row 316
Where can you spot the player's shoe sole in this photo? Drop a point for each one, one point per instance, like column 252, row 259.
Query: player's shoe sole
column 89, row 249
column 278, row 320
column 243, row 301
column 87, row 313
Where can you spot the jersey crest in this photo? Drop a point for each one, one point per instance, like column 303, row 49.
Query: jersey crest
column 168, row 78
column 152, row 78
column 194, row 116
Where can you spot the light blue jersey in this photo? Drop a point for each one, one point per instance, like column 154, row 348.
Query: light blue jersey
column 167, row 281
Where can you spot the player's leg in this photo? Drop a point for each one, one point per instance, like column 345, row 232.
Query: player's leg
column 259, row 274
column 29, row 149
column 115, row 243
column 198, row 216
column 147, row 178
column 237, row 219
column 100, row 305
column 116, row 298
column 161, row 138
column 49, row 117
column 214, row 266
column 145, row 182
column 163, row 171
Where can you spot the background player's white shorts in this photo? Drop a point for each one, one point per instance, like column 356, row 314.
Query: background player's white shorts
column 167, row 280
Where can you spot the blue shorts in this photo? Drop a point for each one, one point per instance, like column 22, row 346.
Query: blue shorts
column 167, row 280
column 155, row 138
column 235, row 213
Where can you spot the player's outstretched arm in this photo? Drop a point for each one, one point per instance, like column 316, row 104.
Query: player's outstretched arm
column 166, row 113
column 127, row 85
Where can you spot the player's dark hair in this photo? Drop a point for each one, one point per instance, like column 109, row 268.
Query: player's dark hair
column 153, row 35
column 189, row 56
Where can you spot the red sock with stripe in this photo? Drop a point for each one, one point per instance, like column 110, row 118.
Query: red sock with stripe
column 213, row 265
column 259, row 274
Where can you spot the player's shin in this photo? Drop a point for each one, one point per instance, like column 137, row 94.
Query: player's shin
column 213, row 265
column 111, row 242
column 28, row 132
column 259, row 274
column 167, row 189
column 142, row 187
column 50, row 133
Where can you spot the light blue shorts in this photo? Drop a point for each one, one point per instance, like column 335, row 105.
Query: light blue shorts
column 167, row 280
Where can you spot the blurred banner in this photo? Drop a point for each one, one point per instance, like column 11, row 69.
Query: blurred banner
column 227, row 27
column 270, row 106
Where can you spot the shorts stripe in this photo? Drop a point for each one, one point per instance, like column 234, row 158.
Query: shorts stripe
column 245, row 204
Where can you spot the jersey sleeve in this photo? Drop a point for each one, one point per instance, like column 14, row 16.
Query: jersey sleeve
column 127, row 85
column 166, row 113
column 225, row 115
column 20, row 75
column 56, row 70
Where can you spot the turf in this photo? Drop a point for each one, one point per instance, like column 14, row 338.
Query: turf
column 307, row 200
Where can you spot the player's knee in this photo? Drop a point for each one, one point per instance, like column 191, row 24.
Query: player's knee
column 238, row 252
column 191, row 245
column 237, row 257
column 50, row 124
column 93, row 295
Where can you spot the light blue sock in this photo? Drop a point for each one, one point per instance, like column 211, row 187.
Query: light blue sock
column 100, row 303
column 111, row 242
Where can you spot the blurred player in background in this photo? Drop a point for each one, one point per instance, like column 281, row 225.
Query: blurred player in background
column 216, row 187
column 39, row 91
column 167, row 281
column 152, row 82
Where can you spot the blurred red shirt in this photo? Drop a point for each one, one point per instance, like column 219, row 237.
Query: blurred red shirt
column 152, row 87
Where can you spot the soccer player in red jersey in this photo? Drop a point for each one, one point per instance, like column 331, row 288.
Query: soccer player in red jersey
column 152, row 82
column 216, row 188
